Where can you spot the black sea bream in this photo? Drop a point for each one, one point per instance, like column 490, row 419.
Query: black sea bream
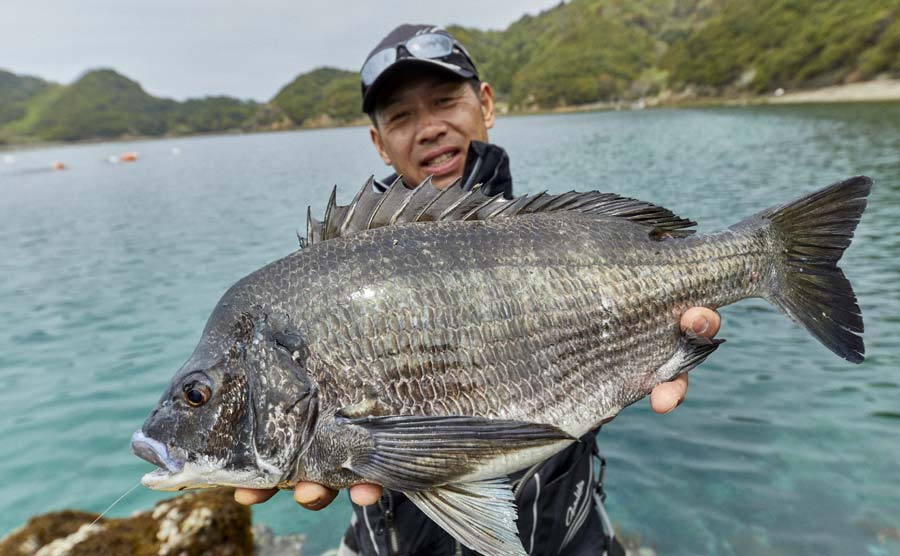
column 435, row 341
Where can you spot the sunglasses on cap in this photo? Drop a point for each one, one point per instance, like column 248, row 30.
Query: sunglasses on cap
column 430, row 46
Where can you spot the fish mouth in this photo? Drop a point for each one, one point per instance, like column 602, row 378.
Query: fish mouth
column 167, row 459
column 162, row 479
column 174, row 472
column 208, row 474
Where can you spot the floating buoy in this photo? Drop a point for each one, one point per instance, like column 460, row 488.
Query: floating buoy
column 113, row 159
column 9, row 159
column 176, row 151
column 57, row 165
column 129, row 156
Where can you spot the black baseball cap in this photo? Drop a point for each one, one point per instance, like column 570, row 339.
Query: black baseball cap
column 411, row 45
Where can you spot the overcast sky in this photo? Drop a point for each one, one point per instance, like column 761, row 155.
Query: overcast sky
column 192, row 48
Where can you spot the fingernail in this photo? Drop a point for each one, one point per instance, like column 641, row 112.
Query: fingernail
column 314, row 503
column 700, row 325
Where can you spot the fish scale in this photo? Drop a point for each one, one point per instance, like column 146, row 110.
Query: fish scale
column 554, row 308
column 434, row 341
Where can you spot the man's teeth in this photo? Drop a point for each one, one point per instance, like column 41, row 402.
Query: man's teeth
column 440, row 159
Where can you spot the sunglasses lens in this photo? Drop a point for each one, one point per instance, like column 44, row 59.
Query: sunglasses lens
column 377, row 64
column 430, row 46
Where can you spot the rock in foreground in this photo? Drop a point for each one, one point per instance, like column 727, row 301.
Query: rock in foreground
column 206, row 523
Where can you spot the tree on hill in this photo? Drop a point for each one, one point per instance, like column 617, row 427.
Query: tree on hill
column 328, row 92
column 15, row 92
column 583, row 51
column 210, row 114
column 103, row 104
column 582, row 55
column 760, row 46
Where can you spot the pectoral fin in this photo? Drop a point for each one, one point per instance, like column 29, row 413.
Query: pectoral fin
column 414, row 453
column 480, row 515
column 692, row 350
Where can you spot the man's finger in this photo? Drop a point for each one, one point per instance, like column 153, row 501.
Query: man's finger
column 313, row 496
column 248, row 496
column 703, row 321
column 669, row 395
column 365, row 494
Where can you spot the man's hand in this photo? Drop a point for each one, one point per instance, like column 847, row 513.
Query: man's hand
column 669, row 395
column 312, row 496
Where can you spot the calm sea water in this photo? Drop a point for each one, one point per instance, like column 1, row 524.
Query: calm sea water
column 109, row 271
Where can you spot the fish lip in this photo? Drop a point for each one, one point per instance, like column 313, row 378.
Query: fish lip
column 159, row 479
column 203, row 474
column 171, row 460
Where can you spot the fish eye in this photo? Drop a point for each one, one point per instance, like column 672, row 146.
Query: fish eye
column 196, row 394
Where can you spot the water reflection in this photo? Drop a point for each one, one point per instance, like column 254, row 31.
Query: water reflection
column 110, row 271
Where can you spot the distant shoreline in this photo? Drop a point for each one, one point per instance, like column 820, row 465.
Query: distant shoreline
column 867, row 91
column 882, row 90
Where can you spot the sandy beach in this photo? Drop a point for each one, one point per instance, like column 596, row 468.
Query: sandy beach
column 882, row 90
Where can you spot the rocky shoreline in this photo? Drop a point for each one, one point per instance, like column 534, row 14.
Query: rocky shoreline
column 205, row 523
column 202, row 523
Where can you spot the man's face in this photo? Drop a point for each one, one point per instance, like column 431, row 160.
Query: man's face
column 425, row 123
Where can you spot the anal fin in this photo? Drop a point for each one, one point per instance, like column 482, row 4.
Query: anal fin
column 692, row 350
column 481, row 515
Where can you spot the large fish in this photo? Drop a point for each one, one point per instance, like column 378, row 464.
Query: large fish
column 435, row 341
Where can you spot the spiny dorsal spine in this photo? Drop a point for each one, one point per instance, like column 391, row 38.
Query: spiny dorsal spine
column 399, row 204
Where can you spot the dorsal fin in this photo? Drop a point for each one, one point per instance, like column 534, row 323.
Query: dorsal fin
column 371, row 208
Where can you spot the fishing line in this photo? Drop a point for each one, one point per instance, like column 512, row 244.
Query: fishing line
column 119, row 499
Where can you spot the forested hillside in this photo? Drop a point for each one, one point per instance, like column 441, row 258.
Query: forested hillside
column 15, row 92
column 584, row 51
column 578, row 52
column 767, row 44
column 329, row 94
column 103, row 104
column 587, row 51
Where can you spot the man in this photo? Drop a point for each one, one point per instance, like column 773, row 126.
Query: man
column 430, row 116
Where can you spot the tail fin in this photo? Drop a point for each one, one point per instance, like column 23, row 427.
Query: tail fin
column 813, row 232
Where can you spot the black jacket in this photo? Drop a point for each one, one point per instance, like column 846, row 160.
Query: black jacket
column 485, row 164
column 557, row 498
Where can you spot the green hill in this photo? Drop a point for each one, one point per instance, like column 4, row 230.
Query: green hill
column 325, row 93
column 210, row 114
column 15, row 92
column 602, row 50
column 584, row 51
column 762, row 45
column 573, row 54
column 578, row 52
column 102, row 104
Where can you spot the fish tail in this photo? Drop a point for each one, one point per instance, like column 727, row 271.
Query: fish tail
column 811, row 234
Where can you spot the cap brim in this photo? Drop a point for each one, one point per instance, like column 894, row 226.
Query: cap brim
column 372, row 92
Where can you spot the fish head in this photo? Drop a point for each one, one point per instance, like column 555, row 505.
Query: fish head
column 239, row 412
